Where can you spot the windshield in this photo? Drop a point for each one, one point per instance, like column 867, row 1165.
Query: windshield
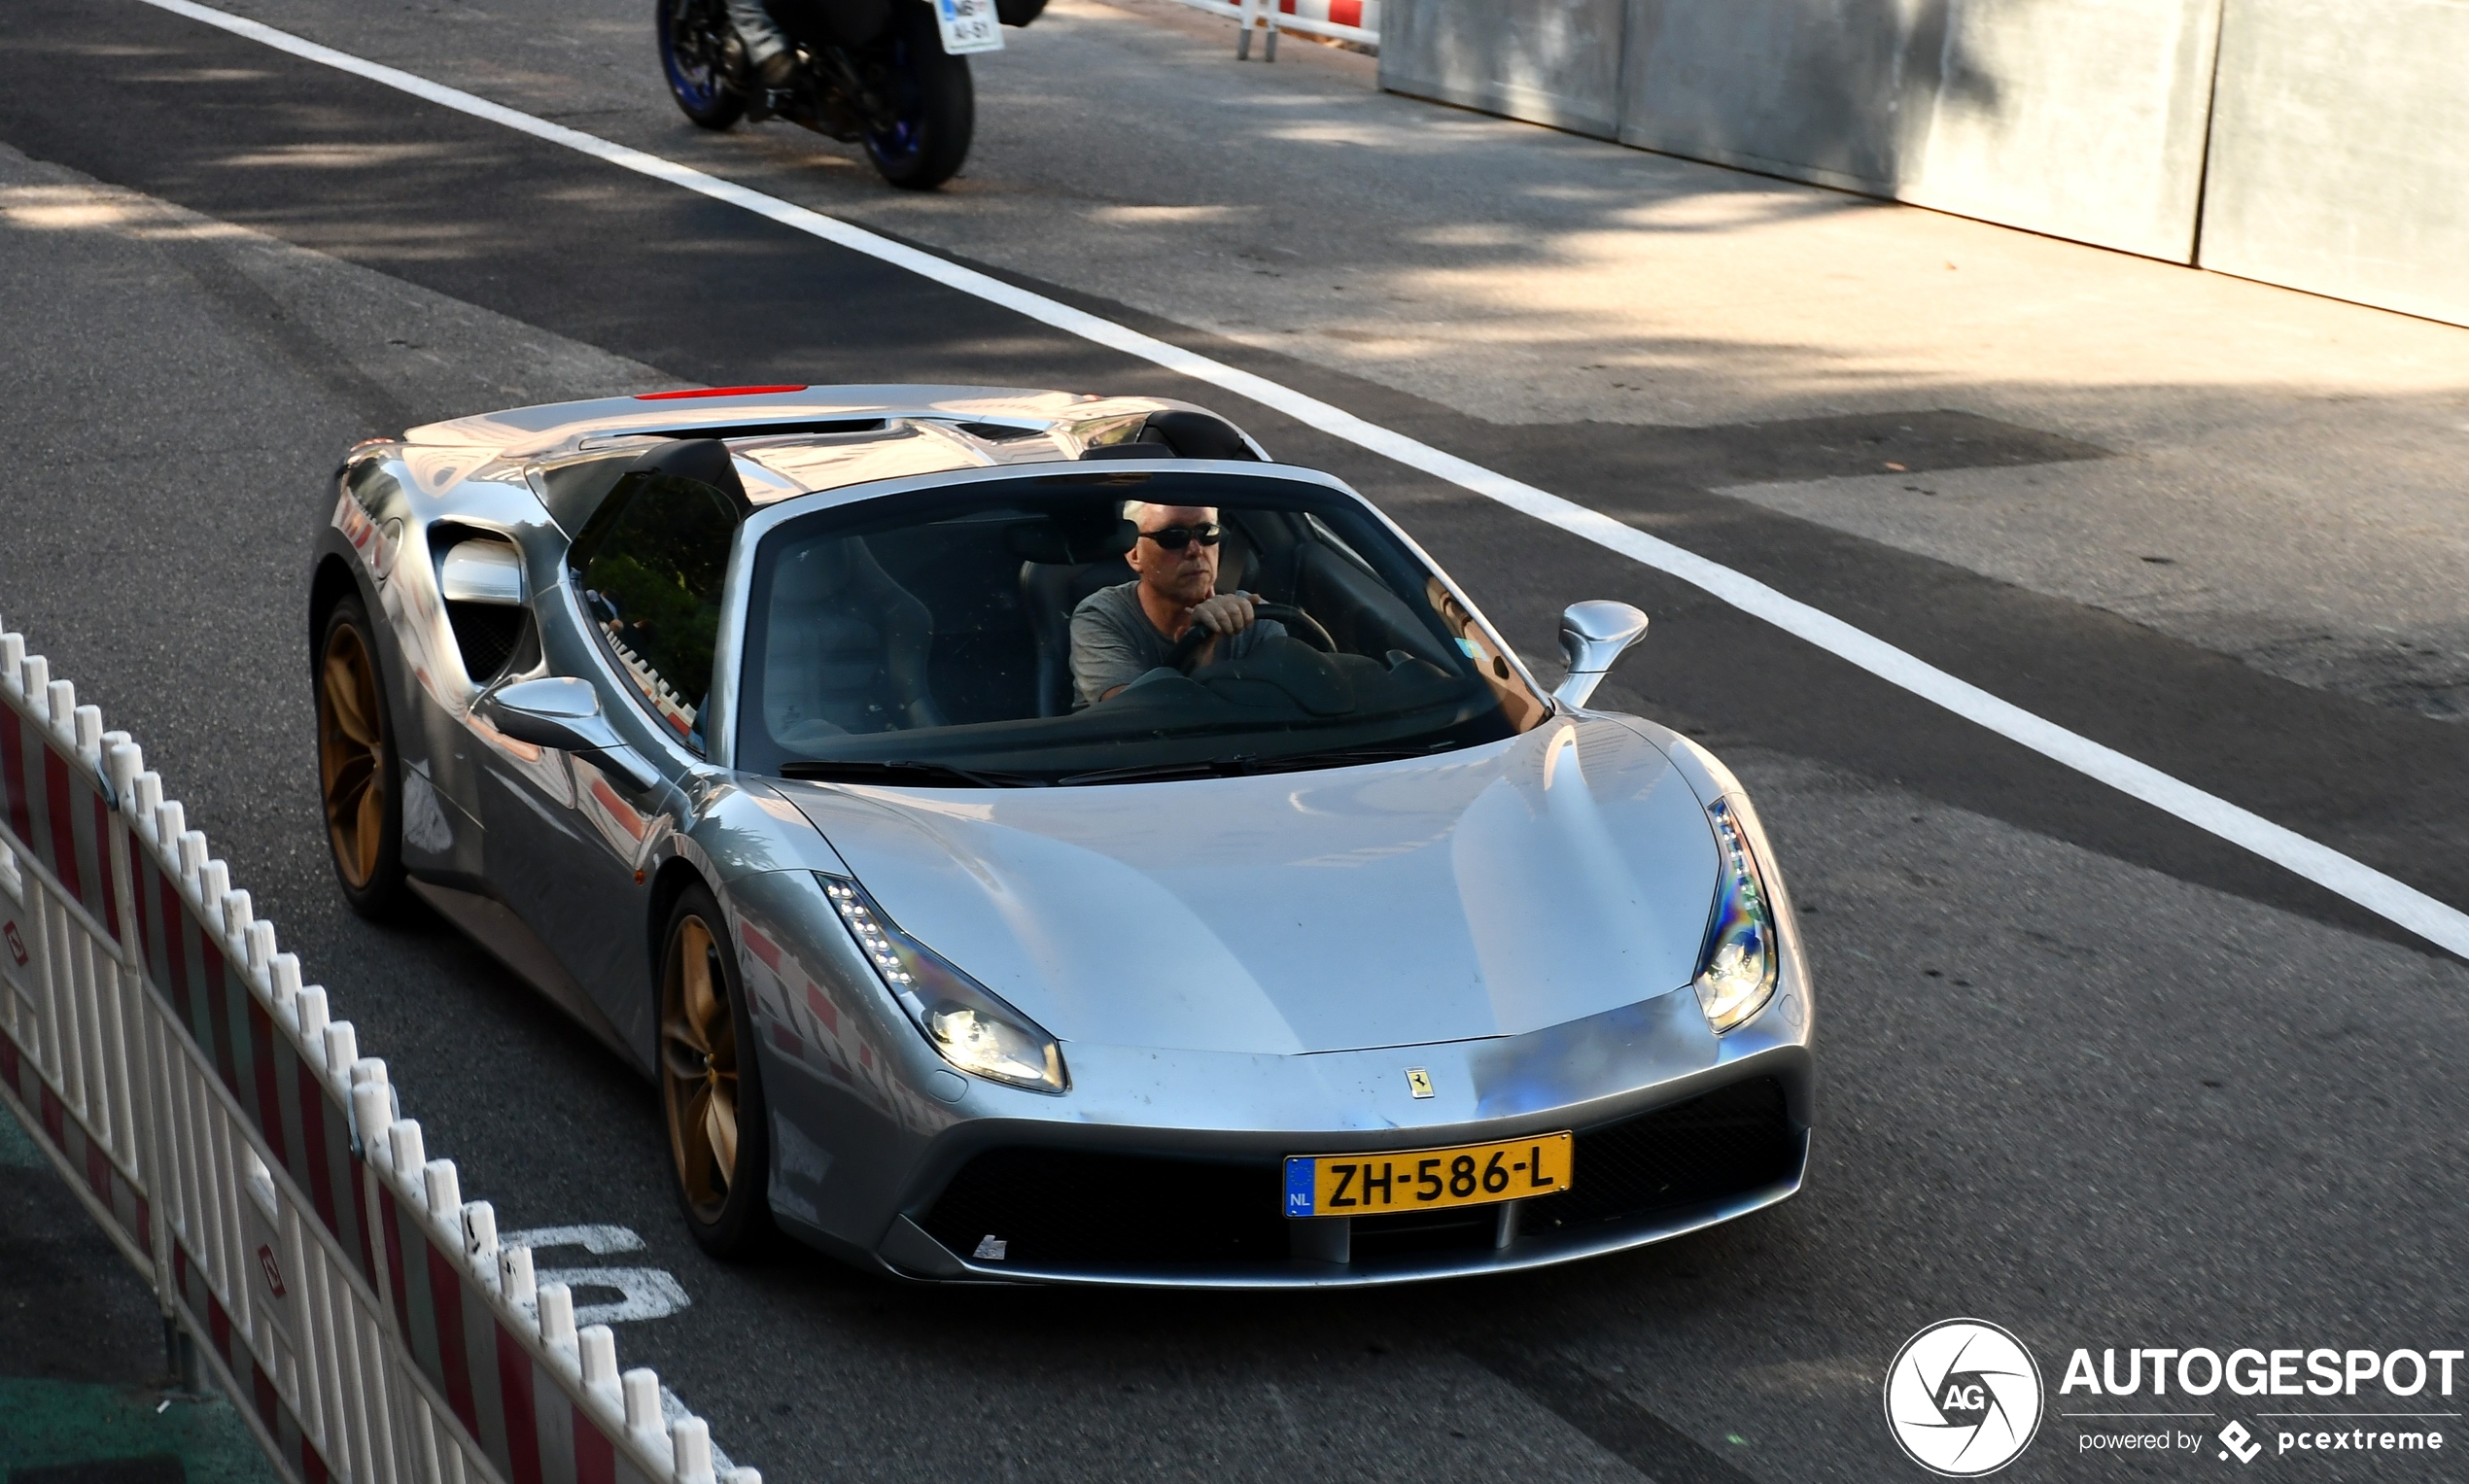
column 1104, row 629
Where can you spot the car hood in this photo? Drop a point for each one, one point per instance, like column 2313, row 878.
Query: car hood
column 1484, row 892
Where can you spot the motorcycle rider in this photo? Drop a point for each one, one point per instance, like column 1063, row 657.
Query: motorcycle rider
column 870, row 70
column 771, row 31
column 769, row 58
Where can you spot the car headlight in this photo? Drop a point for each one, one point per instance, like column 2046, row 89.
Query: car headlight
column 963, row 1021
column 1736, row 971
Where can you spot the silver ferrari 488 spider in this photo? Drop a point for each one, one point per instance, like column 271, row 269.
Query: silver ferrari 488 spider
column 1030, row 836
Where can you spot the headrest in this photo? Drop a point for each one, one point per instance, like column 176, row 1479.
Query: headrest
column 814, row 572
column 705, row 460
column 1180, row 433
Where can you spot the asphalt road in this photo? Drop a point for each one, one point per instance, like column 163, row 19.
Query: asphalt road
column 2086, row 1071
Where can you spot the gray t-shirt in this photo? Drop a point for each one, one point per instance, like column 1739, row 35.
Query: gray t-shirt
column 1113, row 642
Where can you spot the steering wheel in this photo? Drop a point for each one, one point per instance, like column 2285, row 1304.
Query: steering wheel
column 1298, row 622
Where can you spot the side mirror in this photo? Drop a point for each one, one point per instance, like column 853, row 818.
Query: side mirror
column 1592, row 636
column 560, row 711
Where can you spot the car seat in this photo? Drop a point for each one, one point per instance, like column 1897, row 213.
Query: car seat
column 1180, row 433
column 846, row 647
column 1049, row 592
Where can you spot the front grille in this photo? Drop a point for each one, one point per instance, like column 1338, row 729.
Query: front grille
column 1410, row 1234
column 1068, row 1208
column 1071, row 1208
column 1731, row 1140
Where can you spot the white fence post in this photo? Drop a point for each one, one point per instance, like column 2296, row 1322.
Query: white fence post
column 240, row 1150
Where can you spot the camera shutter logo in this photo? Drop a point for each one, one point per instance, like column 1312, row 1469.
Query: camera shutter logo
column 1963, row 1398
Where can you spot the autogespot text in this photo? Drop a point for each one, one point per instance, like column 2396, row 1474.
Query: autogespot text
column 2319, row 1372
column 2316, row 1440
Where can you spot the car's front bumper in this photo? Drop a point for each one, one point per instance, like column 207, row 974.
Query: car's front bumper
column 1187, row 1222
column 1515, row 1256
column 1162, row 1167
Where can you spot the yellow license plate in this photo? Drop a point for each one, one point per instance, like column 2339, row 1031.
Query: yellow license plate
column 1428, row 1179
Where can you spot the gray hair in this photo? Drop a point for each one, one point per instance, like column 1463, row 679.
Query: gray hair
column 1138, row 511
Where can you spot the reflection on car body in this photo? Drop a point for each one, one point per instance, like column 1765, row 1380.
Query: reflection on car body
column 745, row 727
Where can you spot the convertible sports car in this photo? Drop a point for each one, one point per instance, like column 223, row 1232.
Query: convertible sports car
column 771, row 732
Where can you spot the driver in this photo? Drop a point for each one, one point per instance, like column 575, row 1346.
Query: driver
column 1121, row 635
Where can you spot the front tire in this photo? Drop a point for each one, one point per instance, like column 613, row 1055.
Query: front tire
column 358, row 777
column 932, row 103
column 694, row 38
column 710, row 1088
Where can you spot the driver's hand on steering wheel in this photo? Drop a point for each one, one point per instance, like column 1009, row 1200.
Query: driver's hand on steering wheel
column 1221, row 615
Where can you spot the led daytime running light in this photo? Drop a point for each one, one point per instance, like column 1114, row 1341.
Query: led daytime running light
column 1736, row 972
column 966, row 1023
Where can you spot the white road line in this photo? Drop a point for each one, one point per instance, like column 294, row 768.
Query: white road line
column 598, row 1240
column 2372, row 889
column 643, row 1293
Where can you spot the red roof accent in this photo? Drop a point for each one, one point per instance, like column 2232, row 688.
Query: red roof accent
column 670, row 397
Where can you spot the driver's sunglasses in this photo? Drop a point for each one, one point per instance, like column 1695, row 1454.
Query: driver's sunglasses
column 1176, row 537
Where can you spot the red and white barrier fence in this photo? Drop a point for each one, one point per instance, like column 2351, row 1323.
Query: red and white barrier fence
column 242, row 1153
column 1354, row 20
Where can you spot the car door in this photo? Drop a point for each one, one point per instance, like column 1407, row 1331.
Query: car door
column 634, row 609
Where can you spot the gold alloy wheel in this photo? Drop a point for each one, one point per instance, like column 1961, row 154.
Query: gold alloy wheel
column 351, row 755
column 698, row 1068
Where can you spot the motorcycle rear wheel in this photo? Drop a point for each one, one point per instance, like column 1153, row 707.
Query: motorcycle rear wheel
column 934, row 103
column 694, row 37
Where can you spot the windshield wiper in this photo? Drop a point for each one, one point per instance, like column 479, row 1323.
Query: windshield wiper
column 1200, row 768
column 1242, row 763
column 906, row 770
column 1346, row 757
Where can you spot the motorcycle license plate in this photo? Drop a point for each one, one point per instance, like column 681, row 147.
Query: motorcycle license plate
column 968, row 25
column 1429, row 1179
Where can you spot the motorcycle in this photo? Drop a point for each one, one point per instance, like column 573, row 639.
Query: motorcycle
column 884, row 72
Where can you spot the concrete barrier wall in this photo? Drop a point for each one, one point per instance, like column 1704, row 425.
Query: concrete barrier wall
column 2079, row 118
column 2339, row 129
column 2339, row 150
column 2082, row 118
column 1814, row 90
column 1546, row 61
